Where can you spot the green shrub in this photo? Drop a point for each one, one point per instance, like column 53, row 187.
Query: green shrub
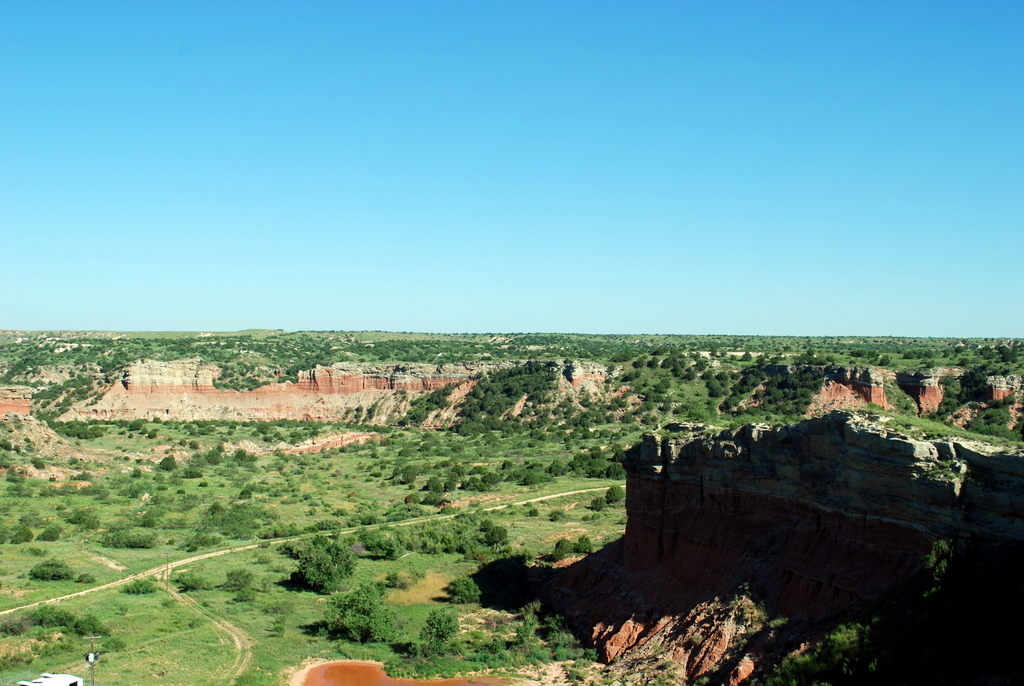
column 51, row 570
column 324, row 563
column 22, row 535
column 191, row 581
column 50, row 533
column 464, row 590
column 127, row 538
column 139, row 587
column 440, row 628
column 361, row 615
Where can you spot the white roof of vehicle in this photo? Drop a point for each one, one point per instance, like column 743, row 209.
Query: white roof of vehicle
column 46, row 679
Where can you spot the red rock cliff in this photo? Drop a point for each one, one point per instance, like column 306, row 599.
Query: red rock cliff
column 184, row 389
column 924, row 387
column 842, row 387
column 17, row 399
column 807, row 519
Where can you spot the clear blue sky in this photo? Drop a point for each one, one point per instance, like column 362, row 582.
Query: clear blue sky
column 679, row 167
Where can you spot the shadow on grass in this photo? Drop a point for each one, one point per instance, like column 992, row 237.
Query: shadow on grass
column 505, row 583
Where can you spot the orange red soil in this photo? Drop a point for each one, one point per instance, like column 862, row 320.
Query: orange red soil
column 352, row 673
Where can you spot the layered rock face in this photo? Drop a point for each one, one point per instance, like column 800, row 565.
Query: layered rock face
column 923, row 387
column 587, row 375
column 1002, row 387
column 844, row 387
column 184, row 389
column 807, row 519
column 17, row 399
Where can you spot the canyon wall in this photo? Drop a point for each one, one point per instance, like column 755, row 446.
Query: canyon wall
column 805, row 519
column 855, row 387
column 184, row 389
column 843, row 387
column 1002, row 387
column 17, row 399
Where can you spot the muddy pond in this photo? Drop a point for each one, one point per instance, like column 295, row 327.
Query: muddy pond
column 351, row 673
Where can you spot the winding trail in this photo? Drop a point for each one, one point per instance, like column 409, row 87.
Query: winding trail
column 243, row 644
column 165, row 569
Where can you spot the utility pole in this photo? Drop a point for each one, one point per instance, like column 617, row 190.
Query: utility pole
column 91, row 657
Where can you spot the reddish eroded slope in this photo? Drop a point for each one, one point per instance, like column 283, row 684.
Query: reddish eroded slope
column 184, row 389
column 806, row 520
column 17, row 399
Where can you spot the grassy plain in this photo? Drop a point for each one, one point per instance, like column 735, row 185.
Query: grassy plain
column 347, row 492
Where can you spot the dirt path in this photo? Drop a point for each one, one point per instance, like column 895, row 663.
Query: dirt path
column 165, row 569
column 243, row 644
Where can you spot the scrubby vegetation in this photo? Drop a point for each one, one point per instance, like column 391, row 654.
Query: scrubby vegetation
column 378, row 550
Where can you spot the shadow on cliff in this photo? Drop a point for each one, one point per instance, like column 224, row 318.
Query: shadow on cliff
column 956, row 622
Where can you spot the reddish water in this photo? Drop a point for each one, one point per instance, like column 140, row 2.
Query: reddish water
column 350, row 673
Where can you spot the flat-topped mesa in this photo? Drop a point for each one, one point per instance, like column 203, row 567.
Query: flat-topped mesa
column 807, row 519
column 17, row 399
column 1002, row 387
column 347, row 379
column 866, row 383
column 184, row 389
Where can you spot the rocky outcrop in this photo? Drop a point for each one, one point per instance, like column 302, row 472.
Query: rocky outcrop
column 586, row 374
column 842, row 387
column 1002, row 387
column 184, row 389
column 17, row 399
column 924, row 387
column 806, row 519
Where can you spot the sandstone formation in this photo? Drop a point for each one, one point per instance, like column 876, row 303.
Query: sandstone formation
column 184, row 389
column 806, row 519
column 590, row 375
column 924, row 387
column 842, row 383
column 1002, row 387
column 17, row 399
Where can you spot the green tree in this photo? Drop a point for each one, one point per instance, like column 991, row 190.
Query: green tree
column 614, row 495
column 361, row 615
column 168, row 464
column 441, row 626
column 324, row 563
column 464, row 590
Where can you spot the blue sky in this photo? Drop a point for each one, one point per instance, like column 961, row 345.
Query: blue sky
column 681, row 167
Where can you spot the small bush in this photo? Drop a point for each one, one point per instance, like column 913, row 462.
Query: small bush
column 50, row 533
column 126, row 538
column 190, row 581
column 464, row 590
column 139, row 587
column 51, row 570
column 22, row 535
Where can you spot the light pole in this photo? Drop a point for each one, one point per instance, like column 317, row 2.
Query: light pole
column 91, row 657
